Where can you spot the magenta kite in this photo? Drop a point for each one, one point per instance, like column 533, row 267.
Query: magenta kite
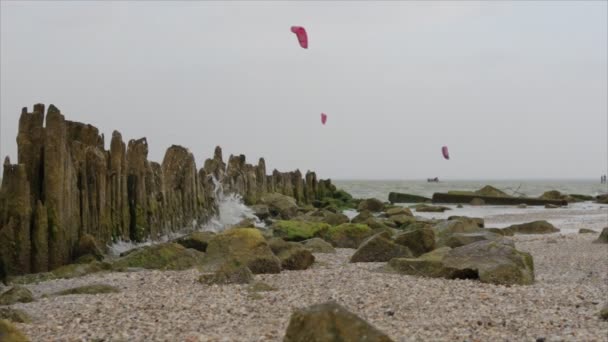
column 300, row 32
column 444, row 151
column 323, row 118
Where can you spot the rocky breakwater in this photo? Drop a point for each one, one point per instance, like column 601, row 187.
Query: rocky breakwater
column 66, row 185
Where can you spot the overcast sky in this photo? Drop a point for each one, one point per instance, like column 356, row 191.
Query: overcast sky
column 515, row 89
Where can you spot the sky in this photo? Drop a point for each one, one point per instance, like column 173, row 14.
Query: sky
column 515, row 89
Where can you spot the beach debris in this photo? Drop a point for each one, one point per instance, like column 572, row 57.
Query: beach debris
column 330, row 321
column 300, row 32
column 379, row 248
column 445, row 152
column 323, row 118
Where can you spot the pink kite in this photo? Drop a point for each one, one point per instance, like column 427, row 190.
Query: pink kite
column 445, row 152
column 323, row 118
column 301, row 34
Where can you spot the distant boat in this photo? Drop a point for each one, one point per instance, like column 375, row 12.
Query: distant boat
column 433, row 180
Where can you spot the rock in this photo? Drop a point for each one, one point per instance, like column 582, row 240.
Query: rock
column 8, row 333
column 501, row 231
column 245, row 223
column 88, row 245
column 398, row 211
column 459, row 206
column 279, row 205
column 292, row 255
column 16, row 294
column 418, row 241
column 444, row 229
column 602, row 199
column 399, row 220
column 522, row 206
column 551, row 206
column 347, row 235
column 245, row 245
column 371, row 204
column 468, row 220
column 261, row 211
column 88, row 290
column 64, row 272
column 14, row 315
column 489, row 261
column 604, row 312
column 477, row 201
column 330, row 322
column 260, row 286
column 491, row 191
column 586, row 231
column 362, row 217
column 424, row 208
column 379, row 248
column 551, row 241
column 323, row 215
column 581, row 198
column 196, row 240
column 231, row 272
column 396, row 197
column 535, row 227
column 461, row 239
column 164, row 256
column 603, row 238
column 299, row 230
column 317, row 245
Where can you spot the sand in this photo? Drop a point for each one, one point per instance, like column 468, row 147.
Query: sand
column 571, row 274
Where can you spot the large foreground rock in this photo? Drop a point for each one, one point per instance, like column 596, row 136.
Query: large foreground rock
column 535, row 227
column 378, row 248
column 8, row 333
column 245, row 245
column 489, row 261
column 603, row 238
column 348, row 235
column 165, row 256
column 330, row 322
column 419, row 241
column 16, row 294
column 293, row 256
column 279, row 205
column 298, row 230
column 444, row 229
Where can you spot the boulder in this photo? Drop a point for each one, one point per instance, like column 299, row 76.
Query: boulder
column 461, row 239
column 399, row 220
column 231, row 272
column 8, row 333
column 586, row 231
column 298, row 230
column 477, row 201
column 501, row 231
column 396, row 197
column 330, row 322
column 535, row 227
column 489, row 261
column 348, row 235
column 164, row 256
column 16, row 294
column 398, row 211
column 64, row 272
column 371, row 204
column 379, row 248
column 604, row 312
column 261, row 211
column 446, row 228
column 293, row 256
column 87, row 245
column 424, row 208
column 317, row 245
column 245, row 245
column 602, row 199
column 551, row 206
column 522, row 206
column 603, row 238
column 323, row 215
column 196, row 240
column 245, row 223
column 362, row 217
column 88, row 290
column 418, row 241
column 491, row 191
column 14, row 315
column 468, row 220
column 279, row 205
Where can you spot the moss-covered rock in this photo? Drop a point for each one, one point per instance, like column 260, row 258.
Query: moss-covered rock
column 444, row 229
column 87, row 245
column 16, row 294
column 371, row 204
column 245, row 245
column 461, row 239
column 426, row 265
column 260, row 286
column 603, row 238
column 318, row 245
column 379, row 248
column 501, row 231
column 604, row 312
column 363, row 216
column 280, row 205
column 535, row 227
column 330, row 322
column 299, row 230
column 231, row 272
column 165, row 256
column 88, row 290
column 63, row 272
column 478, row 221
column 8, row 333
column 348, row 235
column 261, row 211
column 14, row 315
column 398, row 211
column 196, row 240
column 323, row 215
column 419, row 241
column 292, row 255
column 586, row 231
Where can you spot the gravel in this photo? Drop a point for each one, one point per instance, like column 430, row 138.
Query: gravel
column 571, row 285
